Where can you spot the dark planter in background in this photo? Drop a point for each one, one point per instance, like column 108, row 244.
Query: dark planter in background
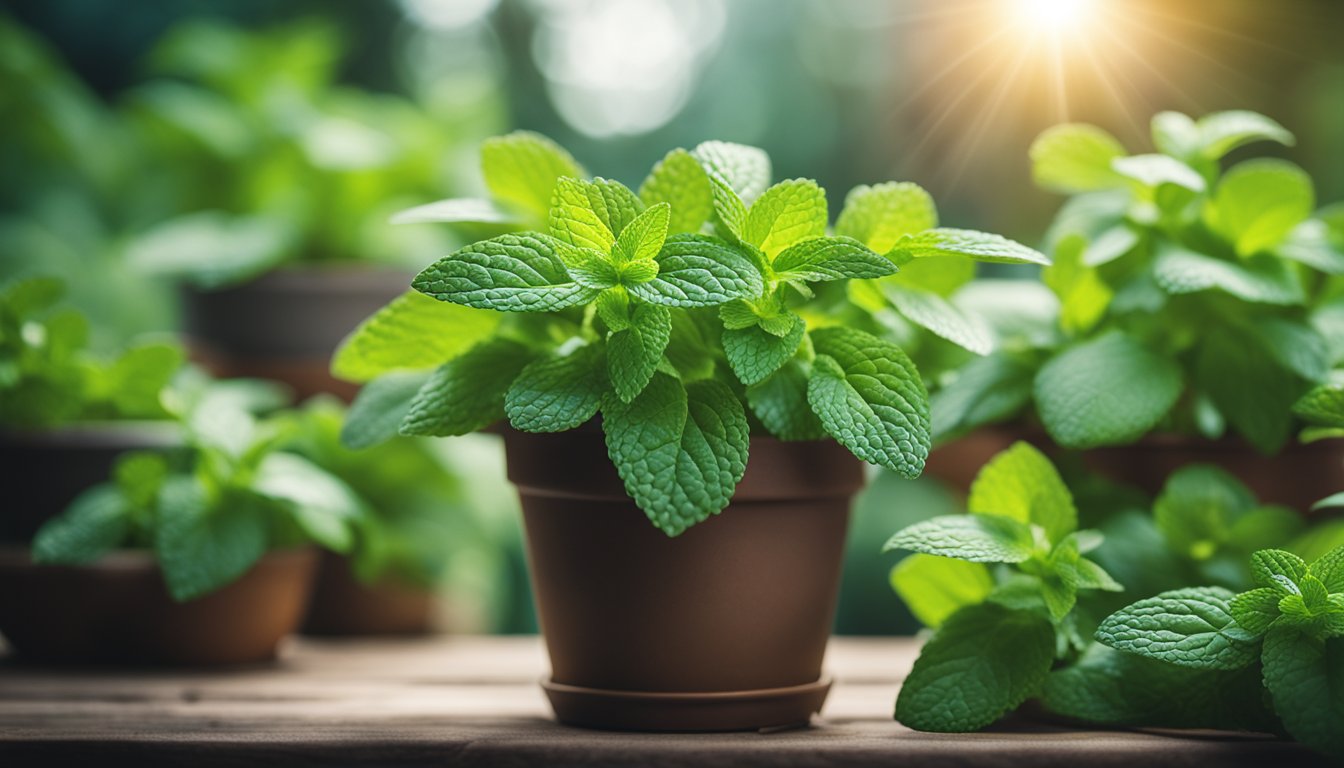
column 721, row 628
column 344, row 606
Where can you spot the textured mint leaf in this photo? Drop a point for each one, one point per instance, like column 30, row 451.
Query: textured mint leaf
column 1305, row 681
column 633, row 352
column 1329, row 568
column 1187, row 627
column 202, row 547
column 681, row 450
column 1323, row 405
column 522, row 168
column 1059, row 591
column 981, row 664
column 412, row 333
column 986, row 390
column 1256, row 610
column 1278, row 570
column 1249, row 389
column 1156, row 170
column 592, row 269
column 975, row 538
column 746, row 169
column 780, row 402
column 1109, row 245
column 378, row 410
column 787, row 213
column 980, row 246
column 1296, row 346
column 830, row 258
column 1222, row 132
column 1020, row 483
column 1260, row 279
column 700, row 271
column 643, row 237
column 95, row 523
column 871, row 399
column 558, row 393
column 1197, row 507
column 681, row 182
column 882, row 214
column 460, row 210
column 590, row 214
column 324, row 507
column 467, row 393
column 1259, row 202
column 1309, row 243
column 1089, row 575
column 941, row 317
column 754, row 353
column 1083, row 296
column 1106, row 391
column 1075, row 157
column 511, row 273
column 934, row 588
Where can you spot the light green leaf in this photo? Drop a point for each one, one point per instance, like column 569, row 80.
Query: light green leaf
column 746, row 169
column 754, row 353
column 1249, row 388
column 467, row 393
column 938, row 315
column 378, row 410
column 212, row 249
column 1083, row 295
column 780, row 402
column 934, row 588
column 787, row 213
column 1260, row 279
column 135, row 382
column 830, row 258
column 1222, row 132
column 1075, row 157
column 985, row 390
column 1109, row 245
column 557, row 393
column 412, row 333
column 95, row 523
column 591, row 214
column 1329, row 568
column 634, row 351
column 1175, row 134
column 1309, row 243
column 522, row 168
column 1197, row 507
column 522, row 272
column 643, row 238
column 323, row 506
column 882, row 214
column 1093, row 576
column 460, row 210
column 1296, row 346
column 1020, row 483
column 1304, row 680
column 700, row 271
column 681, row 182
column 592, row 269
column 1190, row 628
column 203, row 547
column 974, row 538
column 980, row 246
column 1156, row 170
column 1259, row 202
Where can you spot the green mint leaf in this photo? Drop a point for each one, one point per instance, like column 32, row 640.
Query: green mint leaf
column 1155, row 170
column 830, row 258
column 140, row 476
column 1106, row 391
column 378, row 410
column 1260, row 279
column 212, row 249
column 681, row 450
column 1020, row 483
column 1075, row 157
column 745, row 169
column 1323, row 405
column 1187, row 627
column 754, row 353
column 1175, row 134
column 1329, row 568
column 412, row 333
column 1259, row 202
column 592, row 269
column 203, row 547
column 324, row 507
column 643, row 237
column 974, row 538
column 681, row 182
column 522, row 169
column 633, row 352
column 136, row 380
column 591, row 214
column 934, row 588
column 1256, row 610
column 1303, row 676
column 460, row 211
column 700, row 271
column 986, row 390
column 1197, row 507
column 1309, row 243
column 558, row 393
column 941, row 317
column 780, row 402
column 871, row 399
column 1222, row 132
column 467, row 393
column 787, row 213
column 980, row 246
column 1089, row 575
column 1249, row 389
column 1083, row 295
column 511, row 273
column 982, row 663
column 882, row 214
column 1297, row 347
column 95, row 523
column 1059, row 591
column 1278, row 570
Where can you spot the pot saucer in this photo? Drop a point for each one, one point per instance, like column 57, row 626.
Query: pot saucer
column 768, row 708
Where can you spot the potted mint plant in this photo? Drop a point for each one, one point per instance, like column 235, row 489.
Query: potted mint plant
column 1196, row 306
column 690, row 396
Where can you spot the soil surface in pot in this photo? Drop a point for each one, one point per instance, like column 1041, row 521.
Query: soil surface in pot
column 118, row 610
column 342, row 605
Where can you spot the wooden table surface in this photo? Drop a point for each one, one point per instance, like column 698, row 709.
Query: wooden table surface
column 475, row 701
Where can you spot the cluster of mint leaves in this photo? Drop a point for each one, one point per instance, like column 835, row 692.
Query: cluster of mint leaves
column 689, row 314
column 48, row 375
column 1191, row 299
column 210, row 511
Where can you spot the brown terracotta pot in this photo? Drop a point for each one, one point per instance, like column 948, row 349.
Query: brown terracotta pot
column 342, row 605
column 118, row 610
column 43, row 471
column 721, row 628
column 285, row 324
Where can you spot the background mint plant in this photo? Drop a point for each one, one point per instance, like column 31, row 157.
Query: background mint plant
column 689, row 314
column 1192, row 299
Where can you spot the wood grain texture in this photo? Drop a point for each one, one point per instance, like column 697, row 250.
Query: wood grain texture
column 475, row 701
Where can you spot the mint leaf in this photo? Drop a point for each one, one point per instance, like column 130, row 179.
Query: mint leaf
column 980, row 246
column 643, row 237
column 634, row 351
column 1260, row 279
column 780, row 402
column 574, row 216
column 680, row 450
column 95, row 523
column 324, row 507
column 1295, row 346
column 522, row 168
column 1089, row 575
column 1329, row 568
column 378, row 410
column 1322, row 405
column 1155, row 170
column 962, row 683
column 1175, row 134
column 558, row 393
column 412, row 333
column 879, row 215
column 870, row 398
column 1222, row 132
column 830, row 258
column 212, row 249
column 745, row 169
column 934, row 588
column 975, row 538
column 1191, row 628
column 1075, row 157
column 1304, row 680
column 1278, row 570
column 1020, row 483
column 1256, row 610
column 1248, row 388
column 700, row 271
column 941, row 317
column 1196, row 509
column 1259, row 202
column 1106, row 391
column 1309, row 243
column 985, row 390
column 458, row 211
column 467, row 393
column 203, row 547
column 1083, row 295
column 592, row 269
column 754, row 354
column 681, row 182
column 787, row 213
column 511, row 273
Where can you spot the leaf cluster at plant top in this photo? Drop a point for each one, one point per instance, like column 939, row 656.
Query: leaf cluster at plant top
column 48, row 377
column 1191, row 299
column 690, row 314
